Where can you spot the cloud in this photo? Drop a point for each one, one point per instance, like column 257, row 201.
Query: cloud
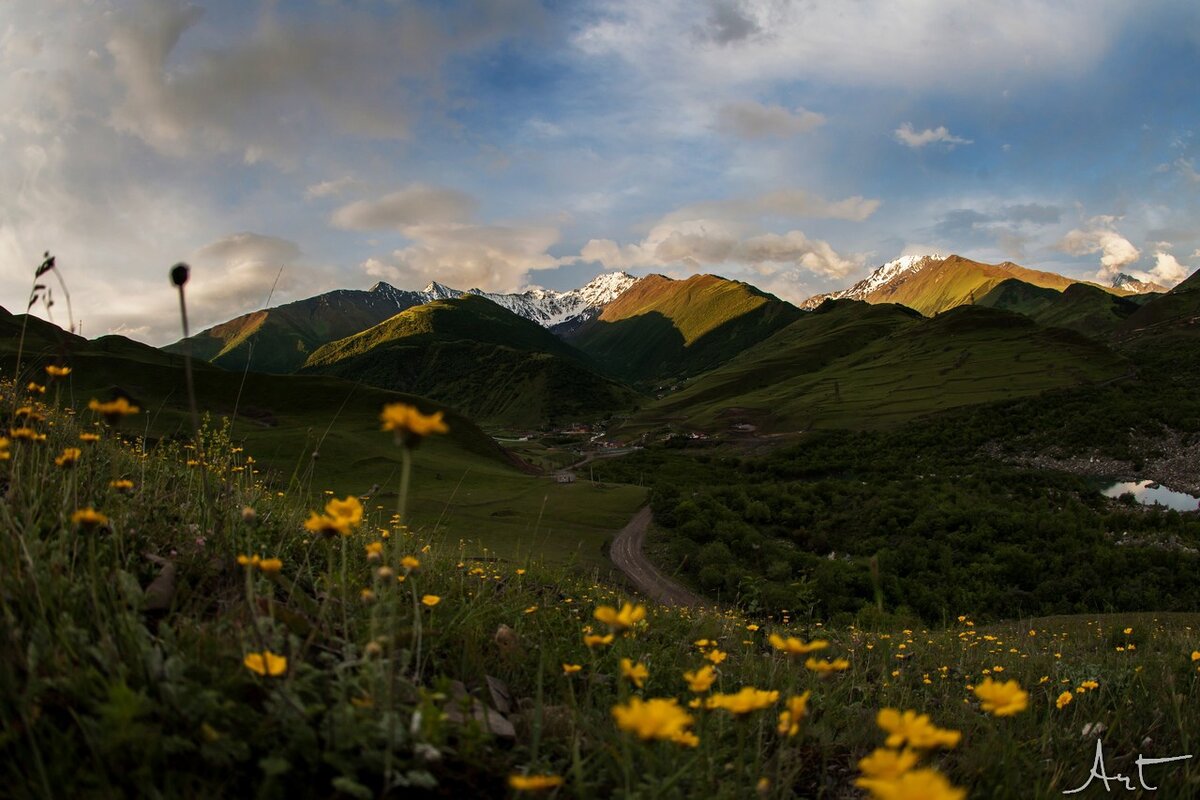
column 727, row 23
column 752, row 120
column 1167, row 270
column 492, row 257
column 905, row 135
column 259, row 93
column 1116, row 251
column 1187, row 168
column 707, row 243
column 868, row 42
column 1033, row 213
column 416, row 204
column 787, row 203
column 330, row 188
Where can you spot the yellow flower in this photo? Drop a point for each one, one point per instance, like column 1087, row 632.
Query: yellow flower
column 409, row 424
column 89, row 518
column 915, row 729
column 1002, row 699
column 27, row 434
column 113, row 410
column 796, row 709
column 796, row 647
column 55, row 371
column 248, row 561
column 34, row 388
column 627, row 617
column 635, row 672
column 340, row 517
column 571, row 669
column 716, row 656
column 122, row 485
column 746, row 700
column 1064, row 699
column 534, row 783
column 886, row 765
column 1196, row 655
column 921, row 784
column 827, row 667
column 430, row 600
column 5, row 443
column 266, row 663
column 1128, row 631
column 593, row 639
column 657, row 718
column 686, row 738
column 374, row 550
column 1089, row 685
column 410, row 563
column 69, row 458
column 700, row 680
column 270, row 565
column 89, row 437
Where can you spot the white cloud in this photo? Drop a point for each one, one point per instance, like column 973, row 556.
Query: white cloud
column 905, row 135
column 1116, row 251
column 1167, row 270
column 870, row 42
column 330, row 188
column 491, row 257
column 708, row 243
column 789, row 203
column 416, row 204
column 748, row 119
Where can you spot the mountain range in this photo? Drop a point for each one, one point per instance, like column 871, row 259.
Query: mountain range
column 711, row 349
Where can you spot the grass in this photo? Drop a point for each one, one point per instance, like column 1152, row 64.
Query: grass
column 124, row 666
column 882, row 369
column 465, row 485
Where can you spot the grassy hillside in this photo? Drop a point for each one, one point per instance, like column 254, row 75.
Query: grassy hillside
column 280, row 339
column 480, row 358
column 1177, row 310
column 1081, row 307
column 889, row 369
column 661, row 328
column 957, row 281
column 467, row 485
column 205, row 644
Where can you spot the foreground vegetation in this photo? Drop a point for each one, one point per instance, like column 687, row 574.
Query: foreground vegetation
column 174, row 627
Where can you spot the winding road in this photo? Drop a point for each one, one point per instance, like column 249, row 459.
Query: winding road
column 626, row 553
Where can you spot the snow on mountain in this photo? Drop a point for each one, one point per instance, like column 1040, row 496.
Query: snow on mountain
column 881, row 277
column 1132, row 284
column 543, row 306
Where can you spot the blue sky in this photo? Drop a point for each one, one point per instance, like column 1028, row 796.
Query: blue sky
column 795, row 145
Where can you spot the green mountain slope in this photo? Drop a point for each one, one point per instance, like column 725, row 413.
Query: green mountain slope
column 1177, row 311
column 280, row 339
column 662, row 328
column 1081, row 307
column 957, row 281
column 480, row 358
column 888, row 367
column 465, row 486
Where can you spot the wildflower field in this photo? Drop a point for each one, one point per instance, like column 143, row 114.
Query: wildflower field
column 175, row 627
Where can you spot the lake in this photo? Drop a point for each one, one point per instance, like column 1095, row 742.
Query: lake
column 1150, row 493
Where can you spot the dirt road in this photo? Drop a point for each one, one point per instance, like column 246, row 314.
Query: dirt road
column 626, row 553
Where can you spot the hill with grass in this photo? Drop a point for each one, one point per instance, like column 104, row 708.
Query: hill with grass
column 280, row 339
column 660, row 329
column 481, row 358
column 1081, row 307
column 312, row 433
column 933, row 284
column 854, row 365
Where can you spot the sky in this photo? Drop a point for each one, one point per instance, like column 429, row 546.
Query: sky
column 284, row 149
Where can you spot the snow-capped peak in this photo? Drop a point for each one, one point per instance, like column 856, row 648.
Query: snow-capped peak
column 1136, row 285
column 546, row 307
column 881, row 277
